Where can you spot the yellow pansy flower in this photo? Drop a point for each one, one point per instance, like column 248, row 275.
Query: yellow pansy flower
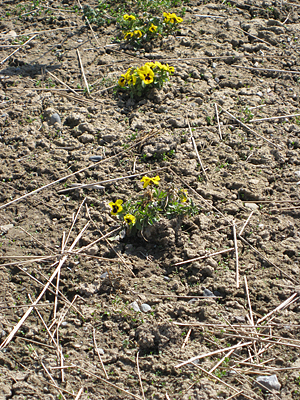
column 122, row 81
column 130, row 219
column 138, row 33
column 183, row 195
column 128, row 35
column 128, row 17
column 178, row 19
column 116, row 207
column 146, row 74
column 153, row 28
column 149, row 181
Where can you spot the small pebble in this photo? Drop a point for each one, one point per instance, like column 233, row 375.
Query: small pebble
column 166, row 278
column 103, row 276
column 145, row 308
column 270, row 382
column 135, row 306
column 260, row 94
column 208, row 293
column 252, row 206
column 101, row 351
column 64, row 323
column 95, row 158
column 54, row 118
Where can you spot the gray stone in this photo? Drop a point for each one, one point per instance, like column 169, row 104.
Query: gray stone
column 166, row 278
column 252, row 206
column 105, row 275
column 135, row 306
column 86, row 138
column 208, row 293
column 95, row 158
column 268, row 382
column 192, row 301
column 145, row 308
column 54, row 118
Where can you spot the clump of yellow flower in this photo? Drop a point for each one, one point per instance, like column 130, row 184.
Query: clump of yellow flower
column 130, row 219
column 150, row 75
column 128, row 17
column 116, row 207
column 150, row 181
column 172, row 18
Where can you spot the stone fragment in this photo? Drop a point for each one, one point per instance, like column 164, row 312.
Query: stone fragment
column 268, row 382
column 95, row 158
column 54, row 118
column 252, row 206
column 208, row 293
column 145, row 308
column 86, row 138
column 135, row 306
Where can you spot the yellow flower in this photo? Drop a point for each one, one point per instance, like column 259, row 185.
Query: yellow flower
column 138, row 33
column 127, row 17
column 127, row 76
column 170, row 69
column 166, row 16
column 150, row 64
column 130, row 219
column 146, row 74
column 183, row 195
column 116, row 207
column 178, row 19
column 122, row 81
column 158, row 64
column 150, row 181
column 153, row 28
column 128, row 35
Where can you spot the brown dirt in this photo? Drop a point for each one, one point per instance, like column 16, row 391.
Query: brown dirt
column 243, row 171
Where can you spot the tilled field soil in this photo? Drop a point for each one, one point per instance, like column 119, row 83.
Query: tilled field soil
column 114, row 316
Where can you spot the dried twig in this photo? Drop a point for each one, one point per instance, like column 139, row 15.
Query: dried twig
column 196, row 150
column 139, row 374
column 83, row 74
column 272, row 118
column 236, row 258
column 186, row 338
column 98, row 353
column 202, row 257
column 266, row 69
column 219, row 126
column 24, row 44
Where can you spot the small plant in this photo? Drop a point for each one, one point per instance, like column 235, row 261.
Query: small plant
column 137, row 81
column 141, row 29
column 154, row 203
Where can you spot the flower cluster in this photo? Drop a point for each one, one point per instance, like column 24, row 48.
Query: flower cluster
column 150, row 75
column 152, row 204
column 144, row 29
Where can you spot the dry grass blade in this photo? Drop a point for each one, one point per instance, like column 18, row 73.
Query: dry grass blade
column 60, row 81
column 272, row 118
column 79, row 394
column 227, row 355
column 98, row 353
column 237, row 346
column 267, row 69
column 83, row 73
column 282, row 305
column 186, row 338
column 24, row 44
column 139, row 375
column 246, row 223
column 196, row 150
column 218, row 121
column 249, row 129
column 237, row 277
column 202, row 257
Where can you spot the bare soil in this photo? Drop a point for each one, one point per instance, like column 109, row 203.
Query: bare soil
column 249, row 173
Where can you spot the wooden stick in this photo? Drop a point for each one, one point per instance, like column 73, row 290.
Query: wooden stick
column 266, row 69
column 208, row 16
column 234, row 395
column 237, row 346
column 83, row 74
column 219, row 127
column 79, row 394
column 60, row 81
column 186, row 338
column 246, row 223
column 236, row 258
column 249, row 129
column 246, row 33
column 196, row 150
column 98, row 352
column 282, row 305
column 202, row 257
column 272, row 118
column 139, row 375
column 24, row 44
column 221, row 361
column 249, row 302
column 279, row 342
